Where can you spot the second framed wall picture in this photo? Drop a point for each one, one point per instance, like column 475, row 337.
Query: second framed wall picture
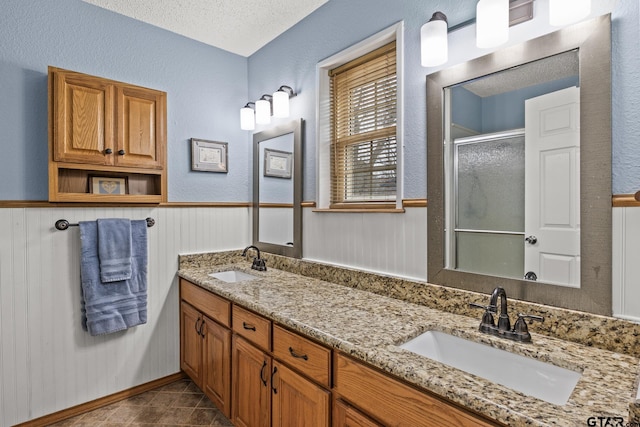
column 277, row 163
column 209, row 156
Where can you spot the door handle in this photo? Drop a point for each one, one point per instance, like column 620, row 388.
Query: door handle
column 532, row 240
column 273, row 387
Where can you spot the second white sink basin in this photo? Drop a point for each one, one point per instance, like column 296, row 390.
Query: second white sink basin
column 529, row 376
column 233, row 276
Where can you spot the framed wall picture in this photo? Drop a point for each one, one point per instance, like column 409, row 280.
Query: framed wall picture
column 108, row 185
column 277, row 163
column 209, row 156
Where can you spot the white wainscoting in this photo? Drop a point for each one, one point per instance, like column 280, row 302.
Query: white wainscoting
column 626, row 258
column 47, row 362
column 388, row 243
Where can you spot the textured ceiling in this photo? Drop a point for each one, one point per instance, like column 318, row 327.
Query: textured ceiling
column 239, row 26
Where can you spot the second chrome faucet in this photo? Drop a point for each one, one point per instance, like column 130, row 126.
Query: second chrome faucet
column 519, row 332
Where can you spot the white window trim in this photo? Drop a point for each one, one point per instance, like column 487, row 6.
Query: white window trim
column 323, row 128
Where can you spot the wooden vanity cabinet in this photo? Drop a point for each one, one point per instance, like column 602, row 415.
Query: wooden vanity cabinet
column 392, row 402
column 268, row 392
column 205, row 344
column 345, row 415
column 100, row 127
column 261, row 374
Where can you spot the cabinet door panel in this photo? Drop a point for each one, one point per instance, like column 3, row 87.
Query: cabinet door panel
column 297, row 401
column 83, row 124
column 190, row 343
column 217, row 365
column 251, row 385
column 138, row 117
column 345, row 415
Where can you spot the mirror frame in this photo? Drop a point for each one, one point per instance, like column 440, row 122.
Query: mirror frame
column 593, row 41
column 296, row 127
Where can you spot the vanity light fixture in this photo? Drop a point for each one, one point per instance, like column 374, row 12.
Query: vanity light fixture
column 492, row 23
column 247, row 117
column 434, row 44
column 564, row 12
column 263, row 110
column 281, row 101
column 276, row 104
column 494, row 17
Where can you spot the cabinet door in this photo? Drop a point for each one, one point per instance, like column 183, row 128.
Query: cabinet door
column 191, row 343
column 251, row 385
column 296, row 400
column 140, row 123
column 345, row 415
column 216, row 375
column 83, row 125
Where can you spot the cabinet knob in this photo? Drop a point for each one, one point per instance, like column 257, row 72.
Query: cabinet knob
column 121, row 152
column 108, row 151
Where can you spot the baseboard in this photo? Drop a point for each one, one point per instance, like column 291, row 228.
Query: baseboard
column 74, row 411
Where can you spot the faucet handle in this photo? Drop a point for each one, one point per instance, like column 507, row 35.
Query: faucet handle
column 489, row 308
column 487, row 324
column 520, row 329
column 531, row 318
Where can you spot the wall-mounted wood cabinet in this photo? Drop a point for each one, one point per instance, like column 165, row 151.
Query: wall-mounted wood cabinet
column 100, row 128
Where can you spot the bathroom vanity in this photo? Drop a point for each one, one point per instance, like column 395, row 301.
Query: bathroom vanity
column 291, row 345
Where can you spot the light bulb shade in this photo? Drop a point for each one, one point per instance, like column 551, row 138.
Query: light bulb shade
column 564, row 12
column 492, row 23
column 280, row 104
column 434, row 45
column 263, row 112
column 247, row 119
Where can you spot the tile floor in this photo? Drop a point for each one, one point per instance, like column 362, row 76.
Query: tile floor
column 177, row 404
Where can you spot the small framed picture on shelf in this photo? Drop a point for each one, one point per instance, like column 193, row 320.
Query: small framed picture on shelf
column 209, row 156
column 277, row 163
column 108, row 185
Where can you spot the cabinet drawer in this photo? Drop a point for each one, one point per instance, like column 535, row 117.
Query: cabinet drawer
column 395, row 403
column 213, row 306
column 312, row 359
column 252, row 326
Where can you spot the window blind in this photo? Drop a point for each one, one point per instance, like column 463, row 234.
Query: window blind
column 363, row 128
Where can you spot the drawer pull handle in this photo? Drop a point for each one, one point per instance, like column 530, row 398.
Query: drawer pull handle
column 201, row 331
column 275, row 390
column 264, row 381
column 298, row 356
column 197, row 325
column 248, row 326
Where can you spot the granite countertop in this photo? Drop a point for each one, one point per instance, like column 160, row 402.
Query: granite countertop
column 370, row 327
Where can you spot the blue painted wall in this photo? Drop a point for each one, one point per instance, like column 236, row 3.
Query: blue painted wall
column 291, row 59
column 205, row 88
column 467, row 109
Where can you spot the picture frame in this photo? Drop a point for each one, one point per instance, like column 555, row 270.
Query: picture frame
column 108, row 185
column 209, row 156
column 277, row 164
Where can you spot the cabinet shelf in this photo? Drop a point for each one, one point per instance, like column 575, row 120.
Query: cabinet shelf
column 103, row 128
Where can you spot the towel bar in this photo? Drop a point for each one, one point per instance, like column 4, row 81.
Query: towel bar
column 63, row 224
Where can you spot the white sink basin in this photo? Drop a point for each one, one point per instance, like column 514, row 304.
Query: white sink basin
column 529, row 376
column 232, row 276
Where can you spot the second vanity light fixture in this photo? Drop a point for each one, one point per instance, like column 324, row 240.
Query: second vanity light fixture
column 493, row 19
column 276, row 104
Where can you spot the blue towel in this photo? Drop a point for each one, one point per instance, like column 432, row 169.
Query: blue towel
column 114, row 249
column 115, row 306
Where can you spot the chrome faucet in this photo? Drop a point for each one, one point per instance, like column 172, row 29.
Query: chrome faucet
column 258, row 263
column 520, row 331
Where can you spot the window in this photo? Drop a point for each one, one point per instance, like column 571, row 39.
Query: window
column 363, row 100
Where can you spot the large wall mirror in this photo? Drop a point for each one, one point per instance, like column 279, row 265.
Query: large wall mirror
column 519, row 170
column 277, row 189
